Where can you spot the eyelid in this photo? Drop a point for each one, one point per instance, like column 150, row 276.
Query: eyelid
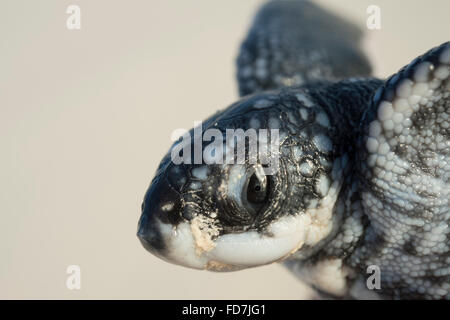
column 259, row 172
column 260, row 175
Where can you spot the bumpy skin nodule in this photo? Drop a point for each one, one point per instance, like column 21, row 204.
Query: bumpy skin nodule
column 364, row 168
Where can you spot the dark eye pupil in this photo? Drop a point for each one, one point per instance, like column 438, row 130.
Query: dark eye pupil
column 257, row 190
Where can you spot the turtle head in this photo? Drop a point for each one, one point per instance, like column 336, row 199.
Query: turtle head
column 245, row 188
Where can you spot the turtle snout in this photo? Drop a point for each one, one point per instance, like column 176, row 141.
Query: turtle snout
column 150, row 235
column 160, row 211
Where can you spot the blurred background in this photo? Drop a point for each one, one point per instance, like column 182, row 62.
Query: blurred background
column 86, row 115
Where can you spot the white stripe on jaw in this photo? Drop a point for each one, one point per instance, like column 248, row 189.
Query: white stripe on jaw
column 251, row 248
column 235, row 251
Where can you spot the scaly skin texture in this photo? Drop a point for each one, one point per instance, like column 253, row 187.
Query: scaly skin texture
column 295, row 42
column 363, row 176
column 396, row 200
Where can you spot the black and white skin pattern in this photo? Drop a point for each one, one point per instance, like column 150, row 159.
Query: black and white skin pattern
column 364, row 167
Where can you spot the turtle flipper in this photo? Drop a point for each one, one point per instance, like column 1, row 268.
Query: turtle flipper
column 405, row 176
column 293, row 42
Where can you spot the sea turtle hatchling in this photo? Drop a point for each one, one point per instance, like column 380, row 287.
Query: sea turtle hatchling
column 363, row 178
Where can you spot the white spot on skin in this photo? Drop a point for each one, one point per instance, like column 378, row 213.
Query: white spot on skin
column 261, row 73
column 306, row 168
column 401, row 105
column 405, row 88
column 442, row 72
column 383, row 148
column 323, row 185
column 385, row 111
column 262, row 104
column 304, row 114
column 274, row 123
column 261, row 63
column 254, row 123
column 388, row 125
column 323, row 120
column 200, row 173
column 304, row 100
column 323, row 143
column 414, row 99
column 372, row 144
column 420, row 89
column 422, row 71
column 195, row 185
column 375, row 129
column 167, row 206
column 246, row 72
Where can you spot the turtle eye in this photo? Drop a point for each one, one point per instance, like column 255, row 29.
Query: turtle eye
column 256, row 191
